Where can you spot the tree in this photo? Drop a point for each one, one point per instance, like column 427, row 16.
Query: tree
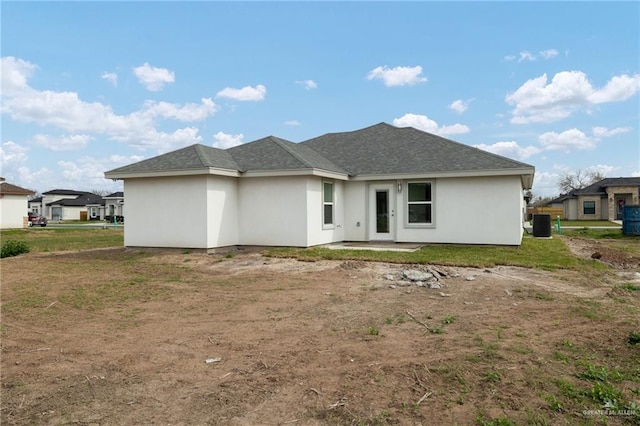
column 581, row 179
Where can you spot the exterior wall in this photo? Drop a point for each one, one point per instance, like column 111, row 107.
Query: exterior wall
column 355, row 211
column 118, row 207
column 317, row 233
column 580, row 204
column 570, row 209
column 167, row 212
column 481, row 210
column 272, row 211
column 630, row 193
column 222, row 208
column 13, row 210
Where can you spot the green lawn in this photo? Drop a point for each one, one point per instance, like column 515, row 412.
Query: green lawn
column 59, row 239
column 586, row 223
column 547, row 254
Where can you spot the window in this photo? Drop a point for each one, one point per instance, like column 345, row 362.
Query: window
column 419, row 203
column 327, row 203
column 588, row 207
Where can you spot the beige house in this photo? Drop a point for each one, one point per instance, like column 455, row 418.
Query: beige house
column 13, row 205
column 602, row 200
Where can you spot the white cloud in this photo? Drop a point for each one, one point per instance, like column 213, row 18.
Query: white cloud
column 459, row 106
column 14, row 75
column 12, row 155
column 603, row 132
column 574, row 139
column 603, row 169
column 307, row 84
column 224, row 141
column 189, row 112
column 619, row 88
column 510, row 149
column 538, row 100
column 62, row 143
column 111, row 77
column 526, row 56
column 398, row 76
column 549, row 53
column 545, row 184
column 292, row 123
column 422, row 122
column 247, row 93
column 66, row 111
column 567, row 141
column 635, row 174
column 153, row 78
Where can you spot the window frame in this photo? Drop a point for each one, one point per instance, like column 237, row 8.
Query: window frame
column 584, row 208
column 331, row 203
column 408, row 203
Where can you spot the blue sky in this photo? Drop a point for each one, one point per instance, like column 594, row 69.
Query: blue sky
column 88, row 87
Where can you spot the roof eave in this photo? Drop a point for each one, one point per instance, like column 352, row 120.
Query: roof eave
column 296, row 172
column 525, row 173
column 169, row 173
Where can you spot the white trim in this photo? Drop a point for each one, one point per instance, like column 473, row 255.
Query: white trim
column 405, row 200
column 525, row 173
column 295, row 172
column 168, row 173
column 331, row 225
column 392, row 189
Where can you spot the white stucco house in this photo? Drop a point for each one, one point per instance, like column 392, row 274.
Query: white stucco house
column 13, row 205
column 377, row 183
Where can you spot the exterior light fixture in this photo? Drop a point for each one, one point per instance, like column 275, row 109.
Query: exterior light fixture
column 399, row 188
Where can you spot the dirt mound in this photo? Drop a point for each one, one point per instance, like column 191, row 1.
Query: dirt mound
column 593, row 249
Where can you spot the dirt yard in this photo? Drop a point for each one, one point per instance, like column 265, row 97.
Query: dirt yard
column 117, row 336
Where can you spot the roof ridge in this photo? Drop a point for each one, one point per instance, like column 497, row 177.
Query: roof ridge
column 280, row 142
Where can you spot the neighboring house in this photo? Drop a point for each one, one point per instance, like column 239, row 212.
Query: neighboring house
column 377, row 183
column 35, row 205
column 68, row 204
column 602, row 200
column 87, row 206
column 114, row 205
column 13, row 205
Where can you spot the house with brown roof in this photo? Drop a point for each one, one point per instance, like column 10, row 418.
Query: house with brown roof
column 13, row 205
column 380, row 183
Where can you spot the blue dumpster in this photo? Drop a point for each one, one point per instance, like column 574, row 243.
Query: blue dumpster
column 631, row 220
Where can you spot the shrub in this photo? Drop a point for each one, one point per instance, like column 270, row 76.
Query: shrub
column 13, row 248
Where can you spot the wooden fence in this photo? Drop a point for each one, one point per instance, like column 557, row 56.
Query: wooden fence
column 553, row 211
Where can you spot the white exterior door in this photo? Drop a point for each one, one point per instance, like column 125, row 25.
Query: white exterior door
column 382, row 215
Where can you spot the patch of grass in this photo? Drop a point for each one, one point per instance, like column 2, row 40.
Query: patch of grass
column 601, row 373
column 492, row 376
column 12, row 248
column 586, row 223
column 629, row 287
column 60, row 239
column 553, row 402
column 373, row 331
column 100, row 296
column 591, row 309
column 481, row 420
column 634, row 338
column 437, row 330
column 533, row 253
column 449, row 319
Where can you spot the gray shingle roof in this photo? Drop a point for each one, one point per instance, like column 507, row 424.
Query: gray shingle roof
column 191, row 157
column 379, row 149
column 272, row 153
column 385, row 149
column 600, row 186
column 81, row 200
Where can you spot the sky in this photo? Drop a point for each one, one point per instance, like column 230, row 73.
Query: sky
column 91, row 86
